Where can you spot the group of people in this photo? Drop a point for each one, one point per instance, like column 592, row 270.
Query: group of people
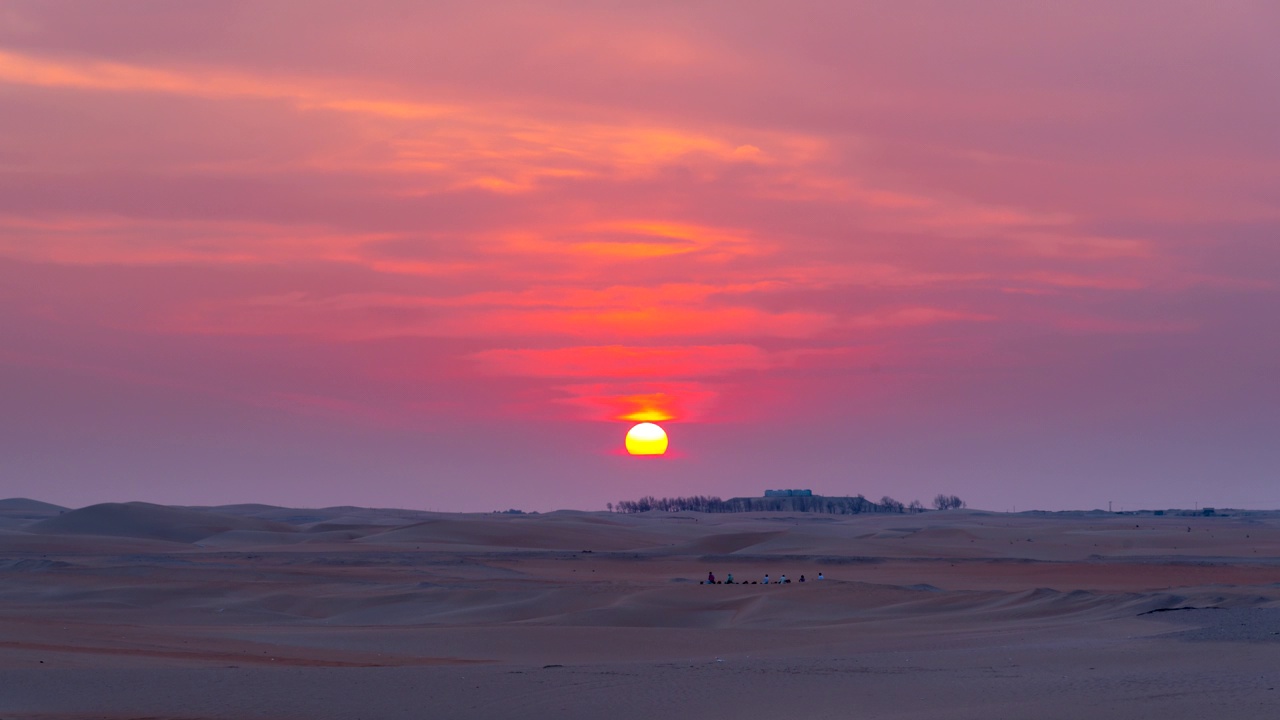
column 782, row 580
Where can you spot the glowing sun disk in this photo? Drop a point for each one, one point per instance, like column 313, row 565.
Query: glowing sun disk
column 646, row 439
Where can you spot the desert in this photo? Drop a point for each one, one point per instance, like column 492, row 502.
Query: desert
column 135, row 610
column 405, row 359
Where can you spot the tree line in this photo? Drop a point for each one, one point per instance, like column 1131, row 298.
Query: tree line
column 804, row 503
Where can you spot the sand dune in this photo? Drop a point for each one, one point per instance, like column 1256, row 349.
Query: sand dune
column 20, row 512
column 29, row 506
column 344, row 514
column 544, row 613
column 148, row 521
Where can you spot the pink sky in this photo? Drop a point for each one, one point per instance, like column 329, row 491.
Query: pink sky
column 431, row 255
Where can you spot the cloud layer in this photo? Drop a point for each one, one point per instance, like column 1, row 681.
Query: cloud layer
column 441, row 255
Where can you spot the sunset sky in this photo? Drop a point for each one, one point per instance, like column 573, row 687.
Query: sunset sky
column 435, row 254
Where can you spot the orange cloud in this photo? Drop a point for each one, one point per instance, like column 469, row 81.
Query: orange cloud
column 462, row 145
column 19, row 69
column 618, row 361
column 296, row 314
column 650, row 322
column 635, row 239
column 648, row 402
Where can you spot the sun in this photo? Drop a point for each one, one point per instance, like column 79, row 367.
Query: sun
column 646, row 439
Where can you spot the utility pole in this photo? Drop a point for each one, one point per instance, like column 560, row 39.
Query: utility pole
column 1108, row 506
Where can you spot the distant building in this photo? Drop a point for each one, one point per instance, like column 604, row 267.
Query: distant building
column 788, row 493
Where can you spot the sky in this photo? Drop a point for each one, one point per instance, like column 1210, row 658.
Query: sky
column 443, row 255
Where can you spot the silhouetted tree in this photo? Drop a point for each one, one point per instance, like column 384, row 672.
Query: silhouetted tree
column 891, row 505
column 775, row 503
column 947, row 502
column 915, row 506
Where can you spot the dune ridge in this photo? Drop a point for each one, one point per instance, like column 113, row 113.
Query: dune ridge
column 151, row 522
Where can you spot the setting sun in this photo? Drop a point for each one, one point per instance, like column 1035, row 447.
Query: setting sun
column 646, row 439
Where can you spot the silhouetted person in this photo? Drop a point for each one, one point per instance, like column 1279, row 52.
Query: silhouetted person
column 766, row 579
column 711, row 578
column 801, row 578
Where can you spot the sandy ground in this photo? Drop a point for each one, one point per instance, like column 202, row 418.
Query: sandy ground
column 144, row 611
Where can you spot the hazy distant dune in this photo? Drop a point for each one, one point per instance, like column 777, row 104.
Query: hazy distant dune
column 18, row 513
column 148, row 521
column 258, row 510
column 29, row 506
column 342, row 514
